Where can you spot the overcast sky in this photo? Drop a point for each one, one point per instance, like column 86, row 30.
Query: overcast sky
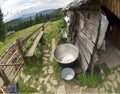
column 15, row 8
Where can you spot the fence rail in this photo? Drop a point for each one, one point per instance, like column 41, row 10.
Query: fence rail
column 13, row 58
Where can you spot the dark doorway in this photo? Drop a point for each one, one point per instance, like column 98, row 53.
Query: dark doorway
column 113, row 32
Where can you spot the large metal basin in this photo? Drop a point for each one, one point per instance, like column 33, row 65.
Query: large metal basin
column 66, row 55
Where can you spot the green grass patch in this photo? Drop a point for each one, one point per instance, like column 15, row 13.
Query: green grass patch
column 107, row 71
column 12, row 38
column 89, row 80
column 24, row 88
column 57, row 71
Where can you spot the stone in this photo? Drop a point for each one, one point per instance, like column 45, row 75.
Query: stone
column 109, row 83
column 61, row 89
column 38, row 88
column 102, row 90
column 48, row 87
column 32, row 86
column 118, row 79
column 50, row 71
column 22, row 75
column 118, row 69
column 115, row 84
column 112, row 77
column 41, row 80
column 47, row 55
column 45, row 72
column 76, row 86
column 113, row 90
column 54, row 82
column 27, row 78
column 80, row 90
column 106, row 85
column 46, row 51
column 53, row 89
column 45, row 62
column 46, row 79
column 44, row 68
column 53, row 48
column 84, row 87
column 45, row 58
column 117, row 73
column 50, row 67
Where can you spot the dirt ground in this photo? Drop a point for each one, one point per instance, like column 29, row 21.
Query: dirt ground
column 110, row 56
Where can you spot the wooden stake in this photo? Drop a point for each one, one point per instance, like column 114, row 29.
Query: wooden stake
column 20, row 50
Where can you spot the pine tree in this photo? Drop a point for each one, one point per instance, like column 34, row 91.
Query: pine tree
column 2, row 29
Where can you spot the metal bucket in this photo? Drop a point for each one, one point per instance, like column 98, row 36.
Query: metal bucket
column 68, row 74
column 66, row 55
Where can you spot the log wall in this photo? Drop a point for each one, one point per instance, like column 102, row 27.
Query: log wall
column 113, row 6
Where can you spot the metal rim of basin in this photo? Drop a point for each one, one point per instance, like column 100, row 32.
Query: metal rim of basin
column 69, row 45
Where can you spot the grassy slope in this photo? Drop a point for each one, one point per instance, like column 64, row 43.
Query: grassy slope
column 12, row 38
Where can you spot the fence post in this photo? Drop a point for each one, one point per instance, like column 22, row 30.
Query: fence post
column 19, row 47
column 4, row 77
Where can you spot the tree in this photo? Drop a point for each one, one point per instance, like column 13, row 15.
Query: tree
column 2, row 29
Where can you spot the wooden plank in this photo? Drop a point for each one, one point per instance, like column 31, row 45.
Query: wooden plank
column 86, row 41
column 14, row 64
column 16, row 73
column 34, row 45
column 25, row 38
column 4, row 77
column 85, row 51
column 82, row 60
column 91, row 25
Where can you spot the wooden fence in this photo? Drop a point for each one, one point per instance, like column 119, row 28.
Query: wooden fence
column 13, row 59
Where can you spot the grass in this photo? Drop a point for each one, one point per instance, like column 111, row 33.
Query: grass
column 12, row 38
column 95, row 79
column 35, row 65
column 24, row 88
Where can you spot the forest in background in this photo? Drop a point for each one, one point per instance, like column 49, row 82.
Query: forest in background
column 19, row 24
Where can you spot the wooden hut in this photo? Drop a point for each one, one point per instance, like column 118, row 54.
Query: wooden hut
column 87, row 27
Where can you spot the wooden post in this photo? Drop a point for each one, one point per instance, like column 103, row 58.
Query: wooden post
column 4, row 77
column 43, row 27
column 95, row 49
column 20, row 50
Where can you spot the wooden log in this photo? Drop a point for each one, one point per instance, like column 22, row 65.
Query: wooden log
column 34, row 45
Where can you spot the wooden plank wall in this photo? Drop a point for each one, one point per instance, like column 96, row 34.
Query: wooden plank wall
column 113, row 6
column 87, row 30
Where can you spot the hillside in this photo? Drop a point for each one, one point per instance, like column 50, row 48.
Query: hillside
column 12, row 38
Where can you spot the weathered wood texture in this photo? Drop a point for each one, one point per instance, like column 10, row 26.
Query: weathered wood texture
column 9, row 63
column 34, row 45
column 113, row 6
column 87, row 31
